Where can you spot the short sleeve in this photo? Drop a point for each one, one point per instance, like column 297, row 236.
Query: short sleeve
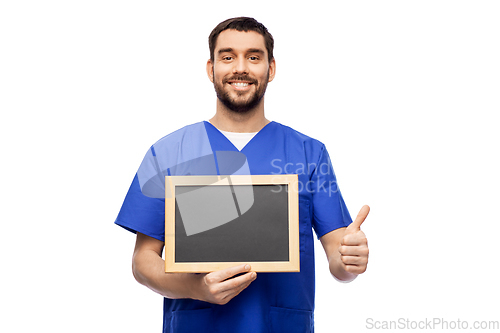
column 329, row 209
column 140, row 212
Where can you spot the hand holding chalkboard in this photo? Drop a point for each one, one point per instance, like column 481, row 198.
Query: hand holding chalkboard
column 220, row 287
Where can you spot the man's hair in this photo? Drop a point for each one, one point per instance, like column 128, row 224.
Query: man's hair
column 241, row 24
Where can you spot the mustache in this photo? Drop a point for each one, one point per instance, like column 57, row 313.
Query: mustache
column 240, row 78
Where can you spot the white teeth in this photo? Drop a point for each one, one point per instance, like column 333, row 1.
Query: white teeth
column 240, row 84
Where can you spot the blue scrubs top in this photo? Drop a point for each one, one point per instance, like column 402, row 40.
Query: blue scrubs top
column 274, row 302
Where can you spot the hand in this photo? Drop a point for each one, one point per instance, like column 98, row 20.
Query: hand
column 220, row 287
column 354, row 245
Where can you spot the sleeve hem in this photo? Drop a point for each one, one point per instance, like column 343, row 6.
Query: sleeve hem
column 135, row 229
column 321, row 233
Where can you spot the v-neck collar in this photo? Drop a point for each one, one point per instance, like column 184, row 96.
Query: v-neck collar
column 223, row 143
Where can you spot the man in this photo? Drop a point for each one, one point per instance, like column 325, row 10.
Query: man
column 236, row 299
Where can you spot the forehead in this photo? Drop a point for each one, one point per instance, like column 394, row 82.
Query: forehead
column 240, row 41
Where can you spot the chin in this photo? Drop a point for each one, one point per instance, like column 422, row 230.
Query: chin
column 242, row 107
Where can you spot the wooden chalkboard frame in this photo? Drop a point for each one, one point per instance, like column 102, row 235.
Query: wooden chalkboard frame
column 292, row 265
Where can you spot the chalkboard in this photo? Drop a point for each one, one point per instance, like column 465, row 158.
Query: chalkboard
column 215, row 222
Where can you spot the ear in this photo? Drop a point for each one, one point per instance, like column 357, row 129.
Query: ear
column 272, row 70
column 210, row 70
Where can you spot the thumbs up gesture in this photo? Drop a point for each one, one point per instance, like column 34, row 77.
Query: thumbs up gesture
column 354, row 245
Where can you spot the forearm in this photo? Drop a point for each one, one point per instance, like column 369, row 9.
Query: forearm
column 149, row 270
column 217, row 287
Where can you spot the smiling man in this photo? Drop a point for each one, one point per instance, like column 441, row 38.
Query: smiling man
column 240, row 71
column 240, row 68
column 236, row 299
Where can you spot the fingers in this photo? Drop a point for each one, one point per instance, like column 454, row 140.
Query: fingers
column 353, row 250
column 237, row 282
column 221, row 286
column 237, row 287
column 225, row 274
column 354, row 260
column 356, row 224
column 356, row 268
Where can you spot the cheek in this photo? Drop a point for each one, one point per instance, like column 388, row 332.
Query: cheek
column 218, row 77
column 220, row 71
column 262, row 74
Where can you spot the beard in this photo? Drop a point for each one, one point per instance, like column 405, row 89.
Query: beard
column 241, row 104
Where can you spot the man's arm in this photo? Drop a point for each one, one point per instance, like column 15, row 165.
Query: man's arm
column 347, row 249
column 217, row 287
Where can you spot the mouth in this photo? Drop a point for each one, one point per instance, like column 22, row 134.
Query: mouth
column 240, row 85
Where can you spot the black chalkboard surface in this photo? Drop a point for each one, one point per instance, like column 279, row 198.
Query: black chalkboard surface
column 214, row 222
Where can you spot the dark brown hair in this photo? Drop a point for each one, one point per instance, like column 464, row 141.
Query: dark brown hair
column 241, row 24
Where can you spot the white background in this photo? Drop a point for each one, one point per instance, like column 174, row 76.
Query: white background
column 403, row 93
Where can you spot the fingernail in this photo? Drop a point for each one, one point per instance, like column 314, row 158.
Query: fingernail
column 247, row 267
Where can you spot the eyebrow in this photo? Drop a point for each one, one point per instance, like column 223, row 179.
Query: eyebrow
column 229, row 49
column 256, row 51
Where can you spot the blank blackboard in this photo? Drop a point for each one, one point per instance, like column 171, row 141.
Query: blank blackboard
column 214, row 222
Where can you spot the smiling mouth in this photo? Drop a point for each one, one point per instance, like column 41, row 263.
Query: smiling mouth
column 240, row 81
column 240, row 84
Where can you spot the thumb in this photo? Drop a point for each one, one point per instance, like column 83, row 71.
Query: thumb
column 356, row 224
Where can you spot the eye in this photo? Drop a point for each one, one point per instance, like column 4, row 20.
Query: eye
column 253, row 58
column 227, row 58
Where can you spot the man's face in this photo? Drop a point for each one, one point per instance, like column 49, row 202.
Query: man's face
column 240, row 70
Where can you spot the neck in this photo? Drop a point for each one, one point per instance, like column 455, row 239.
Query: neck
column 248, row 122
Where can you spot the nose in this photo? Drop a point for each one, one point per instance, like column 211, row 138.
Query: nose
column 240, row 66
